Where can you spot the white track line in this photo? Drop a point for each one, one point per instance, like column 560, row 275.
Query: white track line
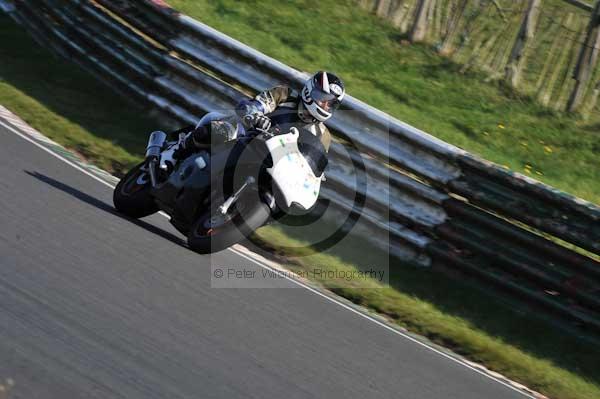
column 364, row 315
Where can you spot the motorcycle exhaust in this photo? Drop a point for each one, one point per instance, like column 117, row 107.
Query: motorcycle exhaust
column 153, row 149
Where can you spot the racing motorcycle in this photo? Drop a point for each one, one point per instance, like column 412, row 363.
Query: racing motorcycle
column 219, row 196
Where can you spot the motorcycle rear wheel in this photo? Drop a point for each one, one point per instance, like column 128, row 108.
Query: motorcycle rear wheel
column 246, row 215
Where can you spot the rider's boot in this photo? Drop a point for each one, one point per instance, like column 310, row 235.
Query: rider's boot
column 192, row 143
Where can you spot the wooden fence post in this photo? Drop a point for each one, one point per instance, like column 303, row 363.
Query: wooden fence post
column 419, row 28
column 453, row 24
column 382, row 9
column 519, row 50
column 586, row 62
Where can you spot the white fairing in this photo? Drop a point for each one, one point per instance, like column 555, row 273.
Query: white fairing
column 291, row 172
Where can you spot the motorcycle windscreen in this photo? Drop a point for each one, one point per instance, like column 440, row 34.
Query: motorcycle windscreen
column 292, row 171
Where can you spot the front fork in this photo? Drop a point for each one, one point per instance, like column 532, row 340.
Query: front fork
column 155, row 146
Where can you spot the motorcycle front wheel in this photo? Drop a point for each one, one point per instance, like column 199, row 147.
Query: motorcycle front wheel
column 213, row 232
column 132, row 194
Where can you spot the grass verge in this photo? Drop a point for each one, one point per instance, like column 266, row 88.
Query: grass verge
column 69, row 106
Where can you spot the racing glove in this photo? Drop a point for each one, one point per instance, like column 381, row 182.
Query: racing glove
column 258, row 121
column 252, row 114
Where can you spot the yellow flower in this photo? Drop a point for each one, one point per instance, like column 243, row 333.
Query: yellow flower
column 527, row 166
column 500, row 126
column 528, row 171
column 524, row 144
column 548, row 149
column 539, row 173
column 486, row 134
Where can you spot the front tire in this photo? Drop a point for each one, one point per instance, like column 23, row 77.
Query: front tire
column 132, row 195
column 246, row 215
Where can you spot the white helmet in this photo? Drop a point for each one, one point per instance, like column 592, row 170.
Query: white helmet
column 322, row 95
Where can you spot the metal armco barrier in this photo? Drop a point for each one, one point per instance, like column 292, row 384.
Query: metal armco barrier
column 435, row 202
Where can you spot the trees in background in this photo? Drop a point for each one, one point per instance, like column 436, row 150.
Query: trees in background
column 546, row 48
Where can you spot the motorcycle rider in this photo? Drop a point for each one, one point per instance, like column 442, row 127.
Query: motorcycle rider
column 280, row 107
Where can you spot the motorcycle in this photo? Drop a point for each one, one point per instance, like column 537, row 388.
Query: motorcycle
column 217, row 197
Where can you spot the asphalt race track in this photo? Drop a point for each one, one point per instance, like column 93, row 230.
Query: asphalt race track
column 93, row 305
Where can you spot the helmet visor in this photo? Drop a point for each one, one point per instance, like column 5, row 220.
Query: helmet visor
column 327, row 101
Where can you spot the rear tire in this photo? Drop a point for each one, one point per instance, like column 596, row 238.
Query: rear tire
column 246, row 215
column 132, row 195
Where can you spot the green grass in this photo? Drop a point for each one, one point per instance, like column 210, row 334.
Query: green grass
column 416, row 85
column 69, row 106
